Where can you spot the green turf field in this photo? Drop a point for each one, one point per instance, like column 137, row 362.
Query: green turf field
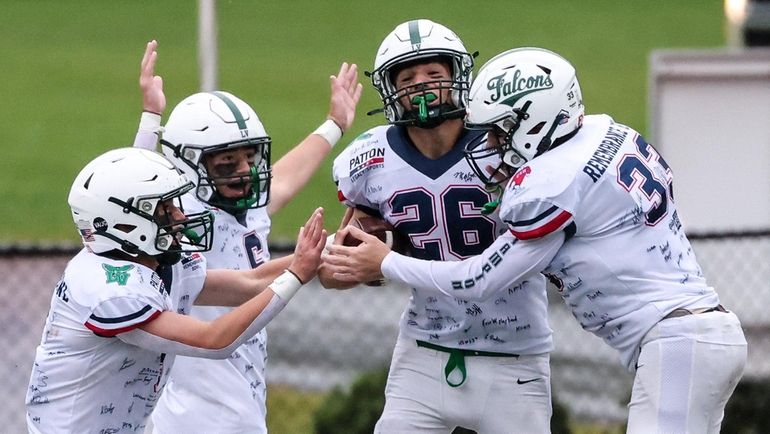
column 70, row 69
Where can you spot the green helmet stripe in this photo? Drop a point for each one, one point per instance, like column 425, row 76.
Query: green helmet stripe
column 231, row 105
column 414, row 33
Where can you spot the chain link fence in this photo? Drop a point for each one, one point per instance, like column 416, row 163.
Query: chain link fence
column 326, row 338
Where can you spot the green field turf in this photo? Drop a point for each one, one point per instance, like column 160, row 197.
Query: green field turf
column 70, row 69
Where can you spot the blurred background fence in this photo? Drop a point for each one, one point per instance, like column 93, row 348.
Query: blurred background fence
column 327, row 338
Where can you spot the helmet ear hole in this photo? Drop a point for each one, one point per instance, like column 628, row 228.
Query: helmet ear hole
column 125, row 228
column 536, row 129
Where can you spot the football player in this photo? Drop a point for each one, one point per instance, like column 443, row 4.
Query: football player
column 591, row 206
column 117, row 318
column 481, row 364
column 218, row 141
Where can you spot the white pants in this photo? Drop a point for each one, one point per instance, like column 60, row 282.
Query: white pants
column 500, row 394
column 687, row 369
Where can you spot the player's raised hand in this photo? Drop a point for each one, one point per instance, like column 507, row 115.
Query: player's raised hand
column 357, row 264
column 346, row 92
column 153, row 98
column 310, row 243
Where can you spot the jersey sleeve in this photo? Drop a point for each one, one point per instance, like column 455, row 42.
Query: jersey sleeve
column 532, row 220
column 505, row 264
column 349, row 172
column 121, row 314
column 538, row 202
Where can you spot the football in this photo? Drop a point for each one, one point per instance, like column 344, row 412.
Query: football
column 384, row 231
column 380, row 229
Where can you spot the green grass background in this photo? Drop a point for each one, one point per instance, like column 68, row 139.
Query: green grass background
column 69, row 81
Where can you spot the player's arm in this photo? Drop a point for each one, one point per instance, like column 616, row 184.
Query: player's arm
column 233, row 287
column 325, row 275
column 226, row 287
column 169, row 332
column 502, row 265
column 153, row 100
column 295, row 169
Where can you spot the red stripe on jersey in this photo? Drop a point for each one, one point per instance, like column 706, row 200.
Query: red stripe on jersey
column 544, row 230
column 341, row 197
column 113, row 332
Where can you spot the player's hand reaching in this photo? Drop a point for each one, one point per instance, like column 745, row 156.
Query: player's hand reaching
column 356, row 264
column 153, row 98
column 310, row 244
column 346, row 92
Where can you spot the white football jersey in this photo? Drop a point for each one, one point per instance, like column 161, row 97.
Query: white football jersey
column 437, row 204
column 625, row 261
column 234, row 386
column 84, row 379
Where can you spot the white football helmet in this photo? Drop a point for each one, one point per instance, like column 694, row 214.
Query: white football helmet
column 415, row 41
column 209, row 122
column 114, row 200
column 530, row 99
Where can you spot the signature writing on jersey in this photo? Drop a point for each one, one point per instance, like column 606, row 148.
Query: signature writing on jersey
column 491, row 262
column 107, row 408
column 518, row 287
column 38, row 395
column 495, row 338
column 127, row 363
column 465, row 176
column 499, row 321
column 474, row 310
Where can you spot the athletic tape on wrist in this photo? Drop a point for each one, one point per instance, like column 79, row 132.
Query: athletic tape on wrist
column 286, row 285
column 330, row 131
column 150, row 122
column 329, row 241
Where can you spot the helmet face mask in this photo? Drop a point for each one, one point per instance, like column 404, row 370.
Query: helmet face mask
column 209, row 123
column 116, row 203
column 530, row 99
column 421, row 42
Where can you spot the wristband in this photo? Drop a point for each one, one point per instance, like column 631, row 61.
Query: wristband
column 286, row 285
column 330, row 131
column 329, row 241
column 150, row 122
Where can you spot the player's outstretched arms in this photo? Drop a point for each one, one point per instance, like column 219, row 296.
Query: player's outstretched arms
column 502, row 265
column 226, row 287
column 153, row 100
column 234, row 287
column 184, row 335
column 294, row 170
column 170, row 332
